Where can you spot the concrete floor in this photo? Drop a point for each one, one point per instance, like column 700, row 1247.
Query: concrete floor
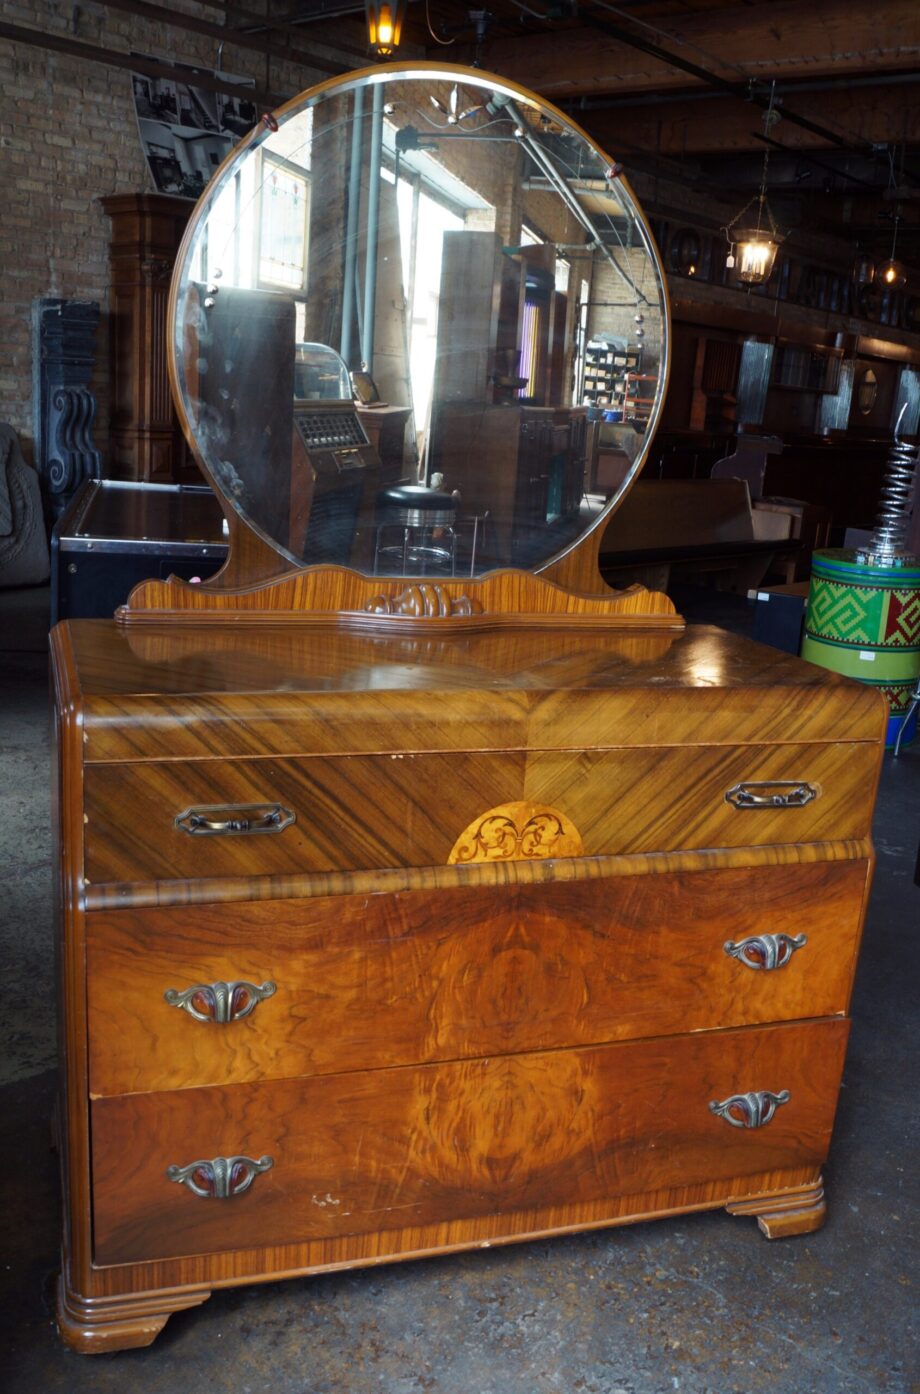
column 700, row 1304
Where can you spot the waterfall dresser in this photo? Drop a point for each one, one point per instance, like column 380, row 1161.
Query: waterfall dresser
column 409, row 913
column 380, row 946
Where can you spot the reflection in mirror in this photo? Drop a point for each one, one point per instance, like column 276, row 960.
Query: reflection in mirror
column 419, row 329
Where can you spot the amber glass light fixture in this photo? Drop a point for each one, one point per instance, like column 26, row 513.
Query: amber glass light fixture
column 891, row 273
column 384, row 25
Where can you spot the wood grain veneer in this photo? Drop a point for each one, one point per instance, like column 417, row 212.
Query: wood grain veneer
column 409, row 810
column 367, row 982
column 425, row 973
column 455, row 1141
column 500, row 599
column 224, row 890
column 199, row 693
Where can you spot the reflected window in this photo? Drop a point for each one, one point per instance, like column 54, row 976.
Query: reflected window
column 423, row 221
column 284, row 215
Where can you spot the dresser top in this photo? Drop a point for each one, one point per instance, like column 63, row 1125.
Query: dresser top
column 213, row 691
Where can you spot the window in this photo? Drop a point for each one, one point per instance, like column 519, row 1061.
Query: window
column 283, row 222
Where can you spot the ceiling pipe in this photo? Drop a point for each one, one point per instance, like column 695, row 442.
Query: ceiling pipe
column 782, row 89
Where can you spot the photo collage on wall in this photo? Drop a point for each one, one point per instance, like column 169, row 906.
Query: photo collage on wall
column 187, row 130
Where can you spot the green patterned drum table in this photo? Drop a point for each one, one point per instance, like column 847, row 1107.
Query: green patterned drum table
column 863, row 620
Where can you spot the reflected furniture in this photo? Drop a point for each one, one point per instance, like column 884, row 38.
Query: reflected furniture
column 689, row 527
column 401, row 915
column 524, row 464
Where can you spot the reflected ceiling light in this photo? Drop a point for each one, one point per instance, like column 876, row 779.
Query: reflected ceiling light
column 384, row 25
column 753, row 240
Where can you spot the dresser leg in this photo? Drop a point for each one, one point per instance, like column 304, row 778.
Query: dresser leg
column 100, row 1325
column 790, row 1212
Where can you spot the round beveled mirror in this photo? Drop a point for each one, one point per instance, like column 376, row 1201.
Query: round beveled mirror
column 419, row 328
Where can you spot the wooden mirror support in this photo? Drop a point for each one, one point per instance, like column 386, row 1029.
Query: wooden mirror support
column 510, row 454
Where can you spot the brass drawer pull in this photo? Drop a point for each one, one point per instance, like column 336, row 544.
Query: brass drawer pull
column 230, row 819
column 766, row 951
column 753, row 1110
column 219, row 1002
column 221, row 1178
column 775, row 793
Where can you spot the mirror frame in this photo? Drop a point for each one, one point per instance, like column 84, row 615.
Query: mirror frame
column 252, row 558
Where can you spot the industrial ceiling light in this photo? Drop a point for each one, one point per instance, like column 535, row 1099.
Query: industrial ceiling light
column 891, row 273
column 384, row 25
column 863, row 272
column 753, row 241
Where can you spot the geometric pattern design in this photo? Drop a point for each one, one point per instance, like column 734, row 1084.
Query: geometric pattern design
column 903, row 626
column 898, row 696
column 845, row 613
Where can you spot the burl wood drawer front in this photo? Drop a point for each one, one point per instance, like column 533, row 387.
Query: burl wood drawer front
column 410, row 810
column 371, row 1151
column 358, row 982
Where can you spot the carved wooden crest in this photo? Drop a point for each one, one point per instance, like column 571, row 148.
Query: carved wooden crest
column 424, row 601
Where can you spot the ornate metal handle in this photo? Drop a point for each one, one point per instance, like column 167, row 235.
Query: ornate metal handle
column 753, row 1110
column 227, row 819
column 767, row 951
column 219, row 1002
column 221, row 1177
column 773, row 793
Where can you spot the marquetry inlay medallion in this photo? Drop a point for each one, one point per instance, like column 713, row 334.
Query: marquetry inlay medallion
column 514, row 832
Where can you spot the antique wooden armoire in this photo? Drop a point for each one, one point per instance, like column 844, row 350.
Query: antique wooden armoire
column 417, row 891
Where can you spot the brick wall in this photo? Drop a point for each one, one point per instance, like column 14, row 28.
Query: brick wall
column 68, row 136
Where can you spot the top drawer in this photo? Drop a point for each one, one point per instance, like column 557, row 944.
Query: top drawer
column 364, row 812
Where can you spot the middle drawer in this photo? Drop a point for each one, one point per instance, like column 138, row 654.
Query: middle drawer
column 361, row 982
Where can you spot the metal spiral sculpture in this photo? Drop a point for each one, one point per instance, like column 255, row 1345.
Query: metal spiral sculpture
column 888, row 543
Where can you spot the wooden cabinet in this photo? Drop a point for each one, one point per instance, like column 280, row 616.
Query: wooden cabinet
column 145, row 439
column 377, row 945
column 519, row 469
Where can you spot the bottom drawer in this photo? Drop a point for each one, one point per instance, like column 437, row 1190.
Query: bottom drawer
column 380, row 1150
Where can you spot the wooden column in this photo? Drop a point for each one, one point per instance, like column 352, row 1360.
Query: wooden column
column 146, row 442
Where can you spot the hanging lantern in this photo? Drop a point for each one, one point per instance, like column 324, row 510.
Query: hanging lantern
column 891, row 273
column 755, row 255
column 384, row 25
column 863, row 273
column 752, row 245
column 685, row 252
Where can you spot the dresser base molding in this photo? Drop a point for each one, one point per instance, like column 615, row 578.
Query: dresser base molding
column 99, row 1326
column 797, row 1212
column 120, row 1319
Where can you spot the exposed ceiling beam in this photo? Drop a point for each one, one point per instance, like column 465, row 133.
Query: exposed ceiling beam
column 873, row 116
column 765, row 41
column 288, row 25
